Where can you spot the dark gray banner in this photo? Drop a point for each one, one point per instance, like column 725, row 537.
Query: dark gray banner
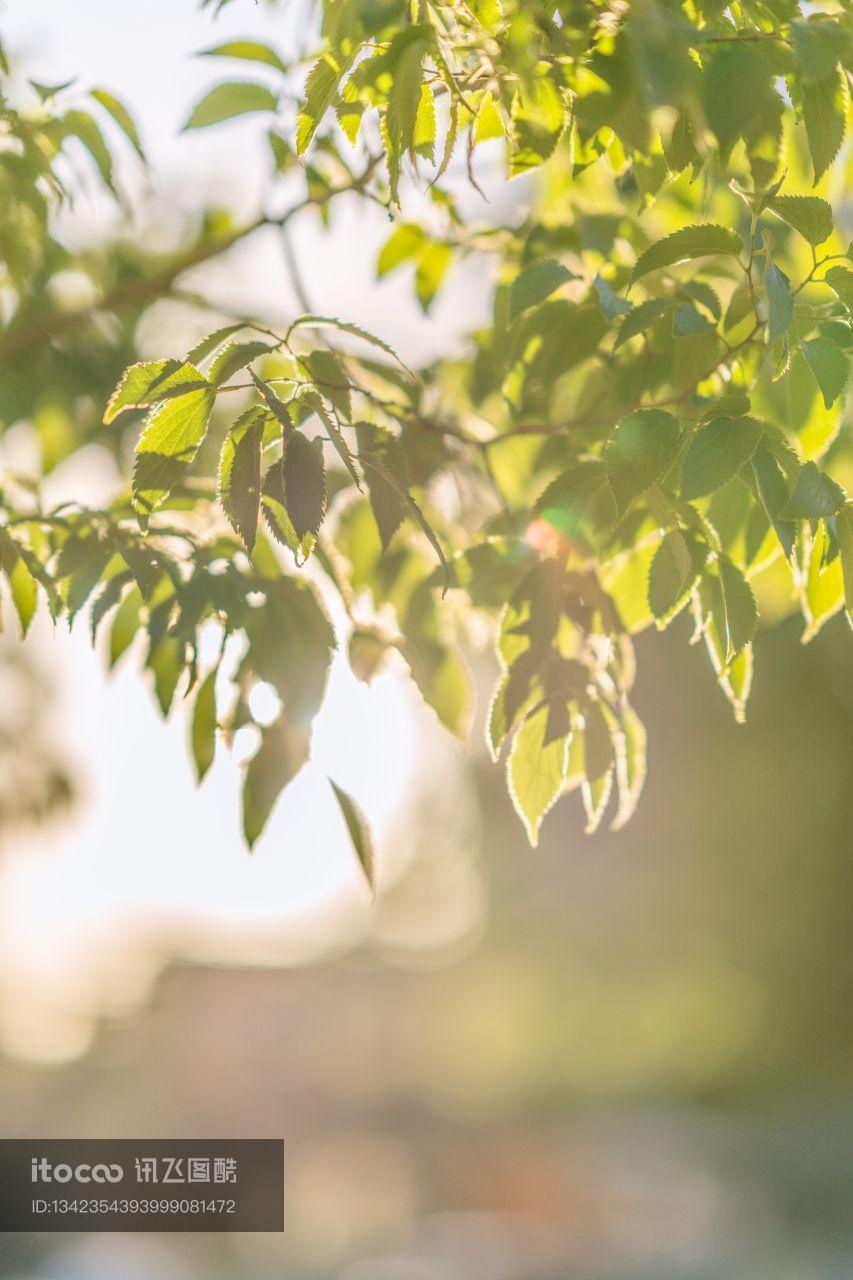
column 124, row 1185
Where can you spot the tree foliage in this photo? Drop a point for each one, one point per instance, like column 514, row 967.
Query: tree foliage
column 649, row 425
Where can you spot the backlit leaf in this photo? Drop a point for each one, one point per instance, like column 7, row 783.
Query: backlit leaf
column 537, row 765
column 687, row 244
column 716, row 454
column 359, row 831
column 233, row 98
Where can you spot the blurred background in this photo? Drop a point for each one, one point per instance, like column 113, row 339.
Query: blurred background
column 612, row 1058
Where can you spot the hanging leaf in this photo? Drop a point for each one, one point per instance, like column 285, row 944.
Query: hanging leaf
column 829, row 365
column 538, row 763
column 814, row 496
column 24, row 591
column 404, row 59
column 780, row 303
column 809, row 215
column 677, row 564
column 630, row 747
column 168, row 445
column 359, row 831
column 203, row 726
column 741, row 611
column 716, row 454
column 639, row 452
column 283, row 751
column 844, row 535
column 122, row 117
column 824, row 113
column 304, row 474
column 538, row 120
column 321, row 88
column 239, row 487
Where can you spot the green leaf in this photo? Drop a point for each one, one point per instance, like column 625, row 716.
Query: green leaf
column 630, row 747
column 611, row 304
column 24, row 593
column 829, row 365
column 538, row 763
column 80, row 125
column 283, row 751
column 166, row 660
column 233, row 98
column 168, row 445
column 538, row 119
column 321, row 88
column 824, row 112
column 441, row 675
column 579, row 502
column 773, row 493
column 275, row 514
column 233, row 357
column 213, row 341
column 304, row 483
column 716, row 454
column 376, row 465
column 639, row 453
column 536, row 283
column 780, row 303
column 149, row 382
column 640, row 318
column 203, row 725
column 368, row 653
column 248, row 51
column 388, row 507
column 814, row 496
column 345, row 326
column 80, row 564
column 240, row 473
column 741, row 611
column 108, row 598
column 276, row 406
column 358, row 829
column 423, row 143
column 844, row 536
column 741, row 100
column 678, row 562
column 817, row 47
column 122, row 118
column 125, row 625
column 597, row 761
column 840, row 280
column 809, row 215
column 331, row 380
column 290, row 646
column 687, row 244
column 822, row 593
column 404, row 57
column 433, row 265
column 336, row 437
column 689, row 323
column 404, row 243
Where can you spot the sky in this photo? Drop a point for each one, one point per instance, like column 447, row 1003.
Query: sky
column 147, row 867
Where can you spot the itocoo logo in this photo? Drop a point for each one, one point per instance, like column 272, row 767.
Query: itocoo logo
column 44, row 1171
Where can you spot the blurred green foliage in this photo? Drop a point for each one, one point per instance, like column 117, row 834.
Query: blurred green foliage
column 651, row 424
